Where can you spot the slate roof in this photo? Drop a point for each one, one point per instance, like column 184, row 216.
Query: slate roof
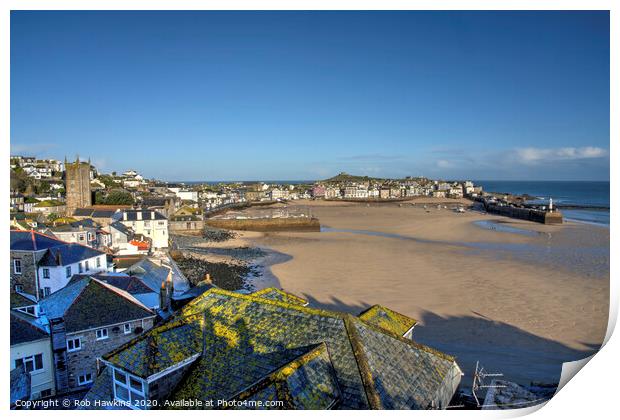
column 126, row 261
column 254, row 346
column 76, row 226
column 68, row 253
column 32, row 241
column 152, row 274
column 121, row 228
column 390, row 320
column 94, row 212
column 131, row 284
column 87, row 303
column 274, row 293
column 24, row 329
column 20, row 300
column 20, row 384
column 132, row 215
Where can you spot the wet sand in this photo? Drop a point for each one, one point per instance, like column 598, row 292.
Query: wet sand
column 521, row 302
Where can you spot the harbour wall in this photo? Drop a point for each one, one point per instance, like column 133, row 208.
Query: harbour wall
column 303, row 224
column 533, row 215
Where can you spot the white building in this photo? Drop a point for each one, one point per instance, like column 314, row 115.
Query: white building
column 31, row 354
column 187, row 195
column 61, row 262
column 149, row 223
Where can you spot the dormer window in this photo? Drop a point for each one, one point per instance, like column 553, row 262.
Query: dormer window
column 129, row 388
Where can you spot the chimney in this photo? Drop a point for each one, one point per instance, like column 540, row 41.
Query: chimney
column 139, row 215
column 124, row 215
column 153, row 215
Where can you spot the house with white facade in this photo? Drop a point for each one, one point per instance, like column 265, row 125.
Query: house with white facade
column 31, row 353
column 41, row 264
column 149, row 223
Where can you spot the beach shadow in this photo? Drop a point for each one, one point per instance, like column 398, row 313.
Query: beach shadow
column 335, row 304
column 521, row 356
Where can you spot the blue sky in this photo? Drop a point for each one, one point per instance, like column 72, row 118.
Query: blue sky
column 305, row 95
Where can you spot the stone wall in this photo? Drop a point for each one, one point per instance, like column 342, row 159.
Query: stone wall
column 85, row 360
column 267, row 225
column 27, row 279
column 180, row 226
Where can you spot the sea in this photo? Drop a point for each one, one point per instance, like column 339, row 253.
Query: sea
column 588, row 200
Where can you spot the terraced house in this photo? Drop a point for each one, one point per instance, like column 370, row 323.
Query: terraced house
column 41, row 264
column 269, row 346
column 86, row 319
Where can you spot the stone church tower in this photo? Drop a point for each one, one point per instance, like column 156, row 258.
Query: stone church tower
column 77, row 185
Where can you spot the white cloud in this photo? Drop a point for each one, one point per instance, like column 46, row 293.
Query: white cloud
column 442, row 163
column 533, row 155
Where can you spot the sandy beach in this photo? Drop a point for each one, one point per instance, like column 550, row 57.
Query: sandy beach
column 519, row 297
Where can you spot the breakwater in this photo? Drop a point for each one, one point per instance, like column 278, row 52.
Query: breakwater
column 524, row 213
column 303, row 224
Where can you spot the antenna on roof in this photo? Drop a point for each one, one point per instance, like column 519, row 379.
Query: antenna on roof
column 478, row 384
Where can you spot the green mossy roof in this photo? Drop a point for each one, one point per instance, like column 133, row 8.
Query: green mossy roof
column 389, row 320
column 273, row 293
column 254, row 347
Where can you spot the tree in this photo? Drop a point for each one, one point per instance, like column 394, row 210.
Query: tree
column 117, row 197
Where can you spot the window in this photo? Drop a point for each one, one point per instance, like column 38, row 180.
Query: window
column 86, row 265
column 17, row 266
column 84, row 379
column 46, row 291
column 68, row 271
column 160, row 223
column 127, row 328
column 128, row 388
column 102, row 333
column 98, row 262
column 32, row 363
column 30, row 310
column 46, row 273
column 80, row 268
column 19, row 288
column 74, row 344
column 81, row 238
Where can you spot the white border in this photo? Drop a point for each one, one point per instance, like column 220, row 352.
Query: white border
column 593, row 394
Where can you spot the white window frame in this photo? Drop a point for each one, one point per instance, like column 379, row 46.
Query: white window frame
column 17, row 262
column 82, row 379
column 78, row 348
column 86, row 266
column 125, row 329
column 98, row 262
column 126, row 385
column 46, row 273
column 102, row 337
column 32, row 358
column 80, row 268
column 46, row 291
column 68, row 271
column 19, row 288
